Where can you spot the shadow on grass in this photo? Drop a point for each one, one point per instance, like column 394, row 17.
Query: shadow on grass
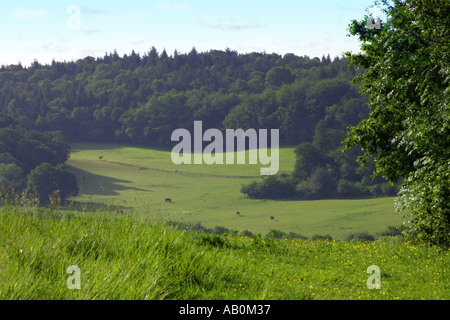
column 94, row 184
column 93, row 206
column 83, row 146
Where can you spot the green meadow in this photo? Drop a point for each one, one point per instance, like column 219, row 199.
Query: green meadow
column 117, row 236
column 140, row 179
column 127, row 257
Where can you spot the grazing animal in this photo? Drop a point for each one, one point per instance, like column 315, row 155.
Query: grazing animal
column 272, row 218
column 168, row 200
column 238, row 213
column 100, row 158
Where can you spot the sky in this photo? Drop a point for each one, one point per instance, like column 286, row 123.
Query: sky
column 63, row 30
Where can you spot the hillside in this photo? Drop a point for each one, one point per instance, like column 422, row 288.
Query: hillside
column 141, row 100
column 121, row 257
column 142, row 178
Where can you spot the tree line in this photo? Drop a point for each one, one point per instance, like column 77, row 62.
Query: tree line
column 142, row 99
column 32, row 162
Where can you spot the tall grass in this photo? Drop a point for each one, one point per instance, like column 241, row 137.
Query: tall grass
column 124, row 256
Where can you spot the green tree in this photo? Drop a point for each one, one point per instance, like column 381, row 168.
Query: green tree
column 6, row 121
column 407, row 78
column 308, row 158
column 270, row 187
column 321, row 183
column 10, row 176
column 279, row 75
column 326, row 138
column 47, row 180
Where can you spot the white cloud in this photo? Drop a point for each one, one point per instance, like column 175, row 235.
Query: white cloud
column 24, row 14
column 176, row 6
column 54, row 47
column 229, row 25
column 113, row 17
column 90, row 31
column 93, row 11
column 139, row 16
column 137, row 41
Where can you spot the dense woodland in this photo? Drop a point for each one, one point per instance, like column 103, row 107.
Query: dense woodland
column 142, row 99
column 33, row 163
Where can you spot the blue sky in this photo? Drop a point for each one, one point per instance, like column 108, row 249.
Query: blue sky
column 45, row 30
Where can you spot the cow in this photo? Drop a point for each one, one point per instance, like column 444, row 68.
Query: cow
column 100, row 158
column 272, row 217
column 238, row 213
column 168, row 200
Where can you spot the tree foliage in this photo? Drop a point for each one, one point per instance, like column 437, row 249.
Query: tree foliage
column 407, row 78
column 142, row 99
column 22, row 154
column 139, row 99
column 48, row 182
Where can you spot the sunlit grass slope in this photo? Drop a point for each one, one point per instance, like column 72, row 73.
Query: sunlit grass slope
column 125, row 257
column 142, row 178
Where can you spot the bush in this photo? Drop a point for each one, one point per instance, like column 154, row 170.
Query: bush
column 293, row 235
column 389, row 189
column 214, row 240
column 275, row 234
column 321, row 183
column 10, row 176
column 271, row 187
column 321, row 237
column 252, row 190
column 347, row 189
column 47, row 180
column 361, row 236
column 221, row 230
column 192, row 227
column 246, row 233
column 393, row 231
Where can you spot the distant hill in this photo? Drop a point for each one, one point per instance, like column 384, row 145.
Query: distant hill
column 143, row 99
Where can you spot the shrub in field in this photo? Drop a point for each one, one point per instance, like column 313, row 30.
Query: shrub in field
column 293, row 235
column 47, row 179
column 321, row 237
column 275, row 234
column 221, row 230
column 246, row 233
column 361, row 236
column 271, row 187
column 214, row 240
column 392, row 231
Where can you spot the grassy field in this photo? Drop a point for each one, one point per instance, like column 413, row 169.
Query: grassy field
column 118, row 234
column 125, row 257
column 141, row 178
